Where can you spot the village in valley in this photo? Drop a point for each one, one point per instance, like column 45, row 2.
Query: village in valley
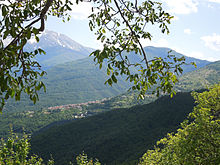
column 78, row 110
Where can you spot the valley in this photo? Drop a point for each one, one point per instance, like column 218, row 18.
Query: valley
column 34, row 120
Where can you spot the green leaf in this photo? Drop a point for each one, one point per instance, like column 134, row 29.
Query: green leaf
column 114, row 78
column 108, row 71
column 110, row 82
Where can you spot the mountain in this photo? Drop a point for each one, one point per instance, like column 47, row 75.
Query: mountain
column 114, row 137
column 163, row 52
column 152, row 52
column 201, row 78
column 72, row 80
column 198, row 79
column 59, row 49
column 81, row 81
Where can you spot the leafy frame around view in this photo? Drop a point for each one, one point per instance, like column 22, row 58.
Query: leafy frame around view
column 120, row 25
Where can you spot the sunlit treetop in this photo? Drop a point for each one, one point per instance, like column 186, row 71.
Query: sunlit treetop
column 197, row 141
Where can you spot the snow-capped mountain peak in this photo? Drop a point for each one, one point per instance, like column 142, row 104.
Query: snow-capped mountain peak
column 59, row 48
column 52, row 39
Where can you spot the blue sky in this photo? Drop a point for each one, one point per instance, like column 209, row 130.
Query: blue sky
column 194, row 31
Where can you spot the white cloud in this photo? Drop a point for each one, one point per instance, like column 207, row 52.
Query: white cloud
column 212, row 42
column 182, row 6
column 175, row 18
column 195, row 54
column 200, row 55
column 81, row 11
column 215, row 1
column 187, row 31
column 159, row 43
column 210, row 6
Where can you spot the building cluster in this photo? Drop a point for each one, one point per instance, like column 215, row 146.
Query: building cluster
column 76, row 106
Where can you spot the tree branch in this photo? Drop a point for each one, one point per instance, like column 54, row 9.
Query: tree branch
column 42, row 27
column 132, row 32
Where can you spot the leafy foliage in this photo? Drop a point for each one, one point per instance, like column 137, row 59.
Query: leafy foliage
column 119, row 25
column 18, row 71
column 82, row 159
column 15, row 151
column 197, row 142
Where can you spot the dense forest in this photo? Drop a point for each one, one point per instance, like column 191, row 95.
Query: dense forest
column 114, row 137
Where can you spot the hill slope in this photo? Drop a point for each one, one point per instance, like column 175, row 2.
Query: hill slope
column 33, row 121
column 198, row 79
column 114, row 137
column 201, row 78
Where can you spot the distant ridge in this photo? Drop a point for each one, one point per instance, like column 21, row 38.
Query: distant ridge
column 60, row 48
column 201, row 78
column 152, row 52
column 163, row 52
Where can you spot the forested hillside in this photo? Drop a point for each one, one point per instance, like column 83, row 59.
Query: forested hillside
column 33, row 121
column 201, row 78
column 114, row 137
